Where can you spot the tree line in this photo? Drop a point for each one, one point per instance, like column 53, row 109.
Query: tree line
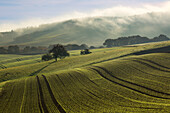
column 15, row 49
column 121, row 41
column 72, row 46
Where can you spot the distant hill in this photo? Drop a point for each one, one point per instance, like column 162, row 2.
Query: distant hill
column 121, row 41
column 6, row 37
column 91, row 31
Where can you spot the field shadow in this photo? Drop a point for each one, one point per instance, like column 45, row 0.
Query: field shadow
column 165, row 49
column 38, row 71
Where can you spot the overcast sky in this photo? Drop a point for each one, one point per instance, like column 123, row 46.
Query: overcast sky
column 22, row 13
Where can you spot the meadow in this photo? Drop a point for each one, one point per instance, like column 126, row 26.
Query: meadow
column 108, row 80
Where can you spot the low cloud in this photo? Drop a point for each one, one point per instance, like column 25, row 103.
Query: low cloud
column 116, row 11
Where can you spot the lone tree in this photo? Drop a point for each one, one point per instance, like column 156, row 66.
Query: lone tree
column 58, row 51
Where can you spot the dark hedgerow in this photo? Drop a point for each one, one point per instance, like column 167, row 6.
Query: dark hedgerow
column 86, row 51
column 47, row 57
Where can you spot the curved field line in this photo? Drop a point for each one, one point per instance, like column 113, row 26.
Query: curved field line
column 150, row 66
column 92, row 93
column 41, row 96
column 60, row 80
column 79, row 89
column 80, row 94
column 146, row 82
column 76, row 101
column 141, row 107
column 52, row 97
column 86, row 77
column 107, row 59
column 64, row 90
column 96, row 101
column 2, row 66
column 100, row 100
column 133, row 100
column 130, row 99
column 149, row 73
column 23, row 98
column 153, row 63
column 39, row 103
column 118, row 94
column 9, row 98
column 61, row 88
column 127, row 86
column 70, row 97
column 149, row 80
column 133, row 83
column 39, row 70
column 94, row 86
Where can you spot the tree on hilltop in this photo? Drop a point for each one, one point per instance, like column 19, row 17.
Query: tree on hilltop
column 58, row 51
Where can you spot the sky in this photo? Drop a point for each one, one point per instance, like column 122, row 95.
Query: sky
column 25, row 13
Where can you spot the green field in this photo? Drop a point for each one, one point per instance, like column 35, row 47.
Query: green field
column 111, row 80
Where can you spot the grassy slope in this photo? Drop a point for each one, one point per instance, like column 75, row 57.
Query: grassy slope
column 65, row 32
column 16, row 68
column 82, row 84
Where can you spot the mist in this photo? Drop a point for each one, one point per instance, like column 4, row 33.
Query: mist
column 115, row 11
column 150, row 24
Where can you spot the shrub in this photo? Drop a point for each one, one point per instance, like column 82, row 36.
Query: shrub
column 47, row 57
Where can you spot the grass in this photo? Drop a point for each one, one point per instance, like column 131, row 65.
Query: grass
column 108, row 80
column 18, row 60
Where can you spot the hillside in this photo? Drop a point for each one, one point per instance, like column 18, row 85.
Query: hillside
column 108, row 80
column 91, row 31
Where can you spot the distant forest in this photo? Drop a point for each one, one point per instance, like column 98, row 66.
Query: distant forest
column 30, row 50
column 15, row 49
column 121, row 41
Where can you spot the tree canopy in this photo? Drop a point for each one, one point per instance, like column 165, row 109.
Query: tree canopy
column 58, row 51
column 121, row 41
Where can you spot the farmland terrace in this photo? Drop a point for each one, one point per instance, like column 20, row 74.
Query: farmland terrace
column 108, row 80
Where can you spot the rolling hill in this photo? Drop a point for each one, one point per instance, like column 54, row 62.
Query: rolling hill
column 91, row 31
column 120, row 79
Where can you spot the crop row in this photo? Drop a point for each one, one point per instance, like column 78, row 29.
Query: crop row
column 71, row 92
column 20, row 58
column 133, row 85
column 123, row 72
column 12, row 97
column 130, row 85
column 2, row 66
